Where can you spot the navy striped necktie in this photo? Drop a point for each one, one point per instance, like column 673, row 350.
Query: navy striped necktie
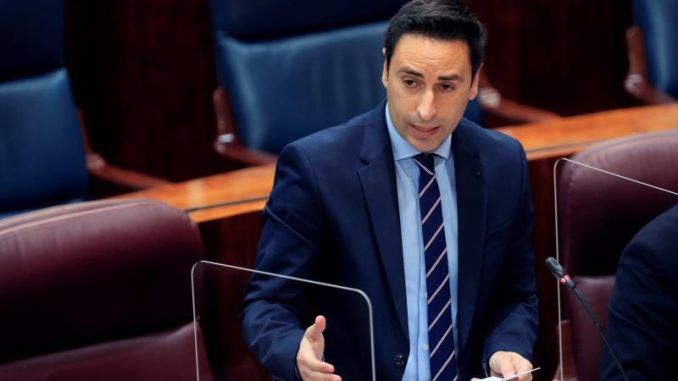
column 442, row 355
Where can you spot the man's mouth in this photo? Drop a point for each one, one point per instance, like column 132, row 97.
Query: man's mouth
column 423, row 131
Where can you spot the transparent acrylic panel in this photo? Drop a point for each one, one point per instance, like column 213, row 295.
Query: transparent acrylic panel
column 598, row 212
column 221, row 291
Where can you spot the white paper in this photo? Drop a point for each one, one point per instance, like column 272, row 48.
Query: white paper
column 509, row 378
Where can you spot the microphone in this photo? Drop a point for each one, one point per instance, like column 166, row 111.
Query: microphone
column 559, row 272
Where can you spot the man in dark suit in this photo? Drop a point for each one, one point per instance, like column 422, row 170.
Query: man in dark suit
column 426, row 212
column 644, row 306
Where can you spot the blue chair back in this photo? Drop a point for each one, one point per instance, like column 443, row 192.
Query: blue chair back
column 658, row 20
column 42, row 157
column 294, row 67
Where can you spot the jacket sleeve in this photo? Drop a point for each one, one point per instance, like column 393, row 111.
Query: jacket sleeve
column 272, row 315
column 514, row 305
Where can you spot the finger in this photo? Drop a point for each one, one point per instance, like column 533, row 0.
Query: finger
column 505, row 367
column 320, row 377
column 314, row 376
column 315, row 365
column 318, row 370
column 522, row 366
column 315, row 331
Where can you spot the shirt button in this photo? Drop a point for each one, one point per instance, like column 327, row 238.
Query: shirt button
column 399, row 360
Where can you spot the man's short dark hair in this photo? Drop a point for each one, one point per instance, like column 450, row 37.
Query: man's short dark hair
column 438, row 19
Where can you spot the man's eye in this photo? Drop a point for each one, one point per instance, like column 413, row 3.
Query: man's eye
column 409, row 82
column 446, row 88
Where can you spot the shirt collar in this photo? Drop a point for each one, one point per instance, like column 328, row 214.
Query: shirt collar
column 402, row 149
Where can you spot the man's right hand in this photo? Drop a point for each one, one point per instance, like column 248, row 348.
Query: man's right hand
column 309, row 357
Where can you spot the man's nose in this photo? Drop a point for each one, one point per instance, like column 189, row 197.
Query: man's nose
column 426, row 107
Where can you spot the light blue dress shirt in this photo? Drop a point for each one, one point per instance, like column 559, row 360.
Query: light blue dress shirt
column 407, row 180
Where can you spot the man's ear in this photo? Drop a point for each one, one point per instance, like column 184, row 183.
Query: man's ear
column 474, row 84
column 384, row 73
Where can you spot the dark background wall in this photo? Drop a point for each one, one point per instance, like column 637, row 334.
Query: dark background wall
column 143, row 74
column 566, row 56
column 143, row 71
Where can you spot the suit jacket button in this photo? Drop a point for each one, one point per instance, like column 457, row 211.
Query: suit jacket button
column 399, row 360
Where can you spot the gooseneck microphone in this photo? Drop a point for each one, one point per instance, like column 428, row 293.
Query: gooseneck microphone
column 559, row 272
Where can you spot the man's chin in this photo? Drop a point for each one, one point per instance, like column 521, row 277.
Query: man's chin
column 425, row 145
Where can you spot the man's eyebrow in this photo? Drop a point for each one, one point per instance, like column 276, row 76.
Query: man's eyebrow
column 414, row 73
column 451, row 77
column 411, row 72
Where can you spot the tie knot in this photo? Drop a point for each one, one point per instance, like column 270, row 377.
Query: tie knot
column 425, row 160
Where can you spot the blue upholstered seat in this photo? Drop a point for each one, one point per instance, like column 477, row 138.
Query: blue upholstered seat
column 284, row 89
column 42, row 149
column 42, row 158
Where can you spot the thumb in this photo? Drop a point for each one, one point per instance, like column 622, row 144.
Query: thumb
column 314, row 332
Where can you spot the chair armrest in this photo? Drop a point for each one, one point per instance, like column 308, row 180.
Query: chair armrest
column 494, row 103
column 227, row 143
column 109, row 179
column 636, row 82
column 231, row 149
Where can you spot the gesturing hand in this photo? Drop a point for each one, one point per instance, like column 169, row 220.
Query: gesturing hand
column 507, row 364
column 309, row 356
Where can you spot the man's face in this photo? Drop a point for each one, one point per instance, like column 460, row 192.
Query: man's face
column 428, row 84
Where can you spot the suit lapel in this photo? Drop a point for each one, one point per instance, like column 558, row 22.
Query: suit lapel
column 377, row 178
column 471, row 201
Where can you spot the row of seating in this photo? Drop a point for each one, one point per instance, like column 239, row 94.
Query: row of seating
column 45, row 158
column 316, row 66
column 320, row 63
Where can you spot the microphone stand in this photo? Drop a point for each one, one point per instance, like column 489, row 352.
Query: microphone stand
column 559, row 272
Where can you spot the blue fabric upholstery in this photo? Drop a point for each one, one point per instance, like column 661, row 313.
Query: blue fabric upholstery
column 285, row 89
column 257, row 19
column 41, row 150
column 31, row 37
column 659, row 21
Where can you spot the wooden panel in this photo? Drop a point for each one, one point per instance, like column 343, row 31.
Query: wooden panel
column 143, row 73
column 565, row 56
column 233, row 241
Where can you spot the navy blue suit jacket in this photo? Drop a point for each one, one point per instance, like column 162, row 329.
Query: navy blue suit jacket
column 644, row 305
column 333, row 216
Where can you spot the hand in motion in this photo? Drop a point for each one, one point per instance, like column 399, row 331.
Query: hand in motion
column 508, row 364
column 310, row 354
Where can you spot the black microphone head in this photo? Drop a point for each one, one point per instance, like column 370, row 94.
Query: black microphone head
column 555, row 268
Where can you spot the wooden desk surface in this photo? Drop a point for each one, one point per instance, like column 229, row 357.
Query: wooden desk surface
column 566, row 136
column 224, row 195
column 245, row 190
